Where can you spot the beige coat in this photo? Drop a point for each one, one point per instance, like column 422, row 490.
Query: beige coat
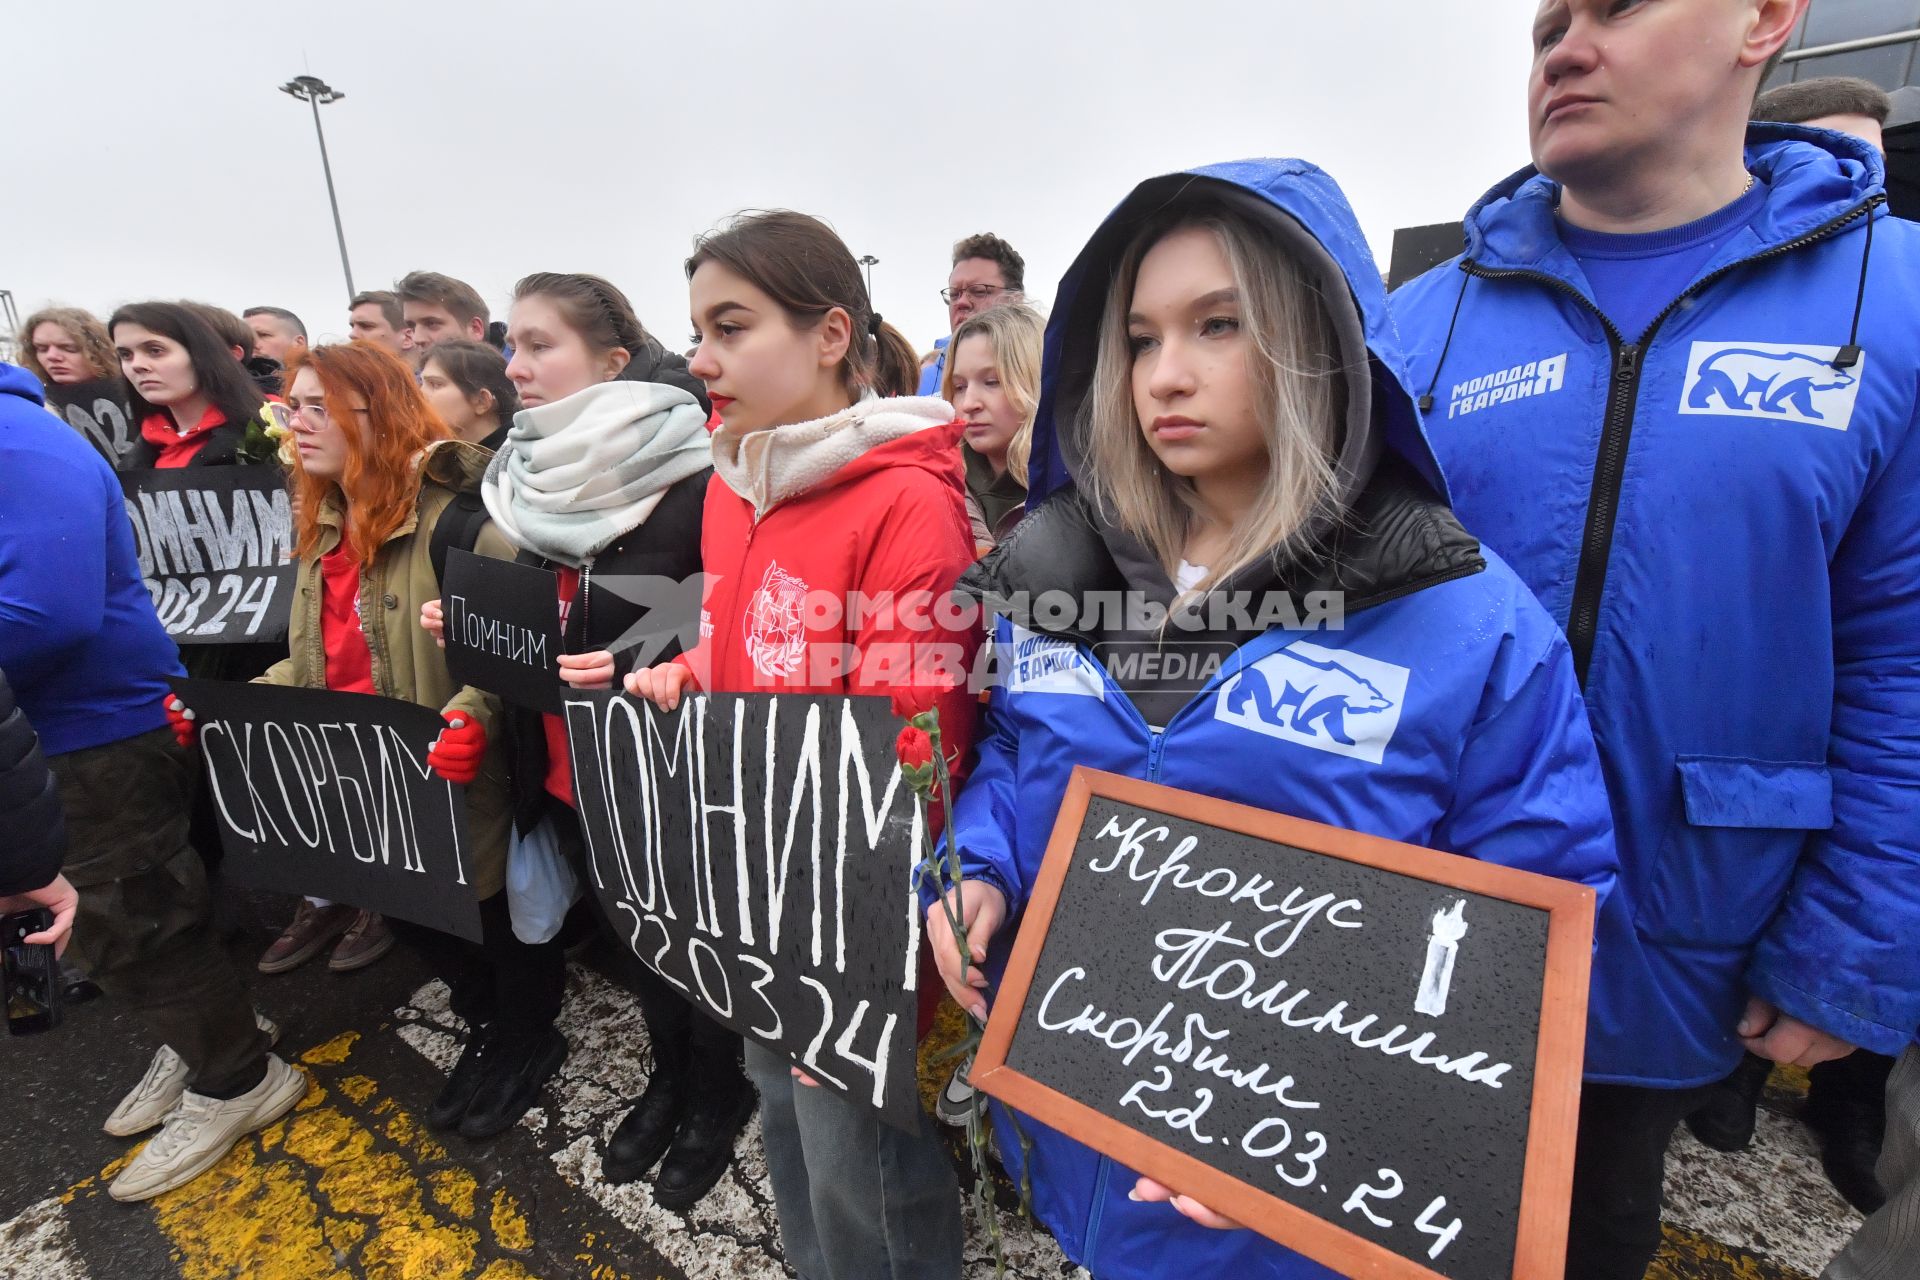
column 407, row 663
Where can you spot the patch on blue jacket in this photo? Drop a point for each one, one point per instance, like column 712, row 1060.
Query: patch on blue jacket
column 1768, row 380
column 1033, row 663
column 1328, row 699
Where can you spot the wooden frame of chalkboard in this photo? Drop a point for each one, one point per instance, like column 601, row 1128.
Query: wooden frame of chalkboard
column 1547, row 1181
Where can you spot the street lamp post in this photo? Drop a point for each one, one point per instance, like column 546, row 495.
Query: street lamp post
column 869, row 262
column 317, row 92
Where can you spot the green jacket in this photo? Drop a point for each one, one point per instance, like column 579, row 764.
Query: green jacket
column 407, row 663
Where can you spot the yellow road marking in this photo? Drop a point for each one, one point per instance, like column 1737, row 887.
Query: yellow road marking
column 327, row 1192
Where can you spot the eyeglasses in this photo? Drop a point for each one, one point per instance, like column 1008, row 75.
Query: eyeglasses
column 978, row 292
column 314, row 413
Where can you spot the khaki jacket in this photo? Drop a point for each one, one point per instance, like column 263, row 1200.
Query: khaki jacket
column 407, row 663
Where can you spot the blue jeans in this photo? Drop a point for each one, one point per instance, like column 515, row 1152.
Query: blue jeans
column 858, row 1199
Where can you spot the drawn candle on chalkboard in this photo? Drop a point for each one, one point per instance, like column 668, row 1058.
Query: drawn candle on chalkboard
column 1442, row 945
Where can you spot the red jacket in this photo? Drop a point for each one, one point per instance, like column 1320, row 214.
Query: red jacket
column 806, row 523
column 175, row 449
column 826, row 547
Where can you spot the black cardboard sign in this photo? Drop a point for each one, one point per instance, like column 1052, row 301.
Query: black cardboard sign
column 329, row 795
column 215, row 547
column 503, row 628
column 1367, row 1051
column 760, row 849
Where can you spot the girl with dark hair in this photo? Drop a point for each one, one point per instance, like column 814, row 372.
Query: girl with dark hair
column 467, row 384
column 195, row 405
column 375, row 469
column 601, row 479
column 822, row 486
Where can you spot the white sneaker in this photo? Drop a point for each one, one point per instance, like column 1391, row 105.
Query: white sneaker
column 159, row 1090
column 955, row 1103
column 201, row 1130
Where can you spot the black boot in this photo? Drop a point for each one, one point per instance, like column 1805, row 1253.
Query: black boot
column 1846, row 1109
column 644, row 1135
column 450, row 1108
column 703, row 1148
column 1725, row 1121
column 515, row 1071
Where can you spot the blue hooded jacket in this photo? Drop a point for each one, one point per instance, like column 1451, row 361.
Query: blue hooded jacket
column 1444, row 713
column 86, row 656
column 1724, row 512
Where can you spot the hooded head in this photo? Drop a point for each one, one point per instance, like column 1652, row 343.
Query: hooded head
column 1284, row 207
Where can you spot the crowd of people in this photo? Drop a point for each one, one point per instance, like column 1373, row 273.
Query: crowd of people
column 1625, row 493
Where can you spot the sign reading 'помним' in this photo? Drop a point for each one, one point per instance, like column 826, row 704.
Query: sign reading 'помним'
column 214, row 546
column 503, row 628
column 759, row 850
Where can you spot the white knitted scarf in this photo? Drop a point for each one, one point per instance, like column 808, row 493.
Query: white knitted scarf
column 575, row 475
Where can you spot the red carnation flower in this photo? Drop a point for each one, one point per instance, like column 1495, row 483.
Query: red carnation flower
column 914, row 748
column 915, row 699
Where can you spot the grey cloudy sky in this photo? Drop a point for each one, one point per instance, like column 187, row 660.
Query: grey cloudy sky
column 147, row 153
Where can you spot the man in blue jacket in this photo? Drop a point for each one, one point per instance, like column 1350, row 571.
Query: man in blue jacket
column 88, row 662
column 1673, row 381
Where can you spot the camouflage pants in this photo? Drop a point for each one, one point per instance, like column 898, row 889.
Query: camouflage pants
column 142, row 929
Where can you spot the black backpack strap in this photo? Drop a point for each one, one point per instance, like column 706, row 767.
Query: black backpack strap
column 459, row 526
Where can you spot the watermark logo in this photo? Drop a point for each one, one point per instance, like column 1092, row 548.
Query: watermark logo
column 1328, row 699
column 672, row 617
column 1771, row 381
column 1185, row 667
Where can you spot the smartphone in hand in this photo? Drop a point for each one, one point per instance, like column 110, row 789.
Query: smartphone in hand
column 31, row 974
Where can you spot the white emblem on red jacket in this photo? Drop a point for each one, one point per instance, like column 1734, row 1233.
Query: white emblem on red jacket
column 776, row 630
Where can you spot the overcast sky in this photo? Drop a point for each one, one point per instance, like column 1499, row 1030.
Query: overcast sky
column 149, row 155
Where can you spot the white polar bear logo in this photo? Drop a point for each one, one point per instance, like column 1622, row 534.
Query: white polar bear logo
column 1767, row 380
column 1332, row 700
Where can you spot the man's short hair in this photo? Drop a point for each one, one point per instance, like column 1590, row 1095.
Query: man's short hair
column 278, row 313
column 1013, row 267
column 462, row 300
column 389, row 304
column 1823, row 96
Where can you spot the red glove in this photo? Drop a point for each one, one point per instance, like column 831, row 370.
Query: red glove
column 180, row 720
column 455, row 754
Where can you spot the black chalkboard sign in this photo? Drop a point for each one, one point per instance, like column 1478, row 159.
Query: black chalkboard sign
column 214, row 545
column 761, row 848
column 1367, row 1051
column 503, row 628
column 329, row 794
column 97, row 409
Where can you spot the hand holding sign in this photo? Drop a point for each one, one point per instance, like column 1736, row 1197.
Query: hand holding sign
column 661, row 685
column 433, row 621
column 1147, row 1191
column 456, row 754
column 180, row 720
column 587, row 670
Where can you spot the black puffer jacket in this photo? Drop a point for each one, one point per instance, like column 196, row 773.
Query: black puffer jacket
column 35, row 844
column 605, row 612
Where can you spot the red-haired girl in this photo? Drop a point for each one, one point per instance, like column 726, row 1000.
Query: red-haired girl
column 374, row 468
